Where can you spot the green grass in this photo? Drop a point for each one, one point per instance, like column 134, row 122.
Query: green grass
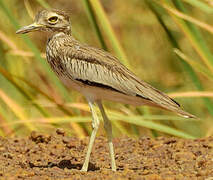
column 163, row 42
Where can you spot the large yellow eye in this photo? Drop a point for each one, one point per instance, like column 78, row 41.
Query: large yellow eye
column 53, row 19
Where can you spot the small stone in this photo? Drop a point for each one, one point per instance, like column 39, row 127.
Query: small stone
column 66, row 140
column 60, row 131
column 39, row 138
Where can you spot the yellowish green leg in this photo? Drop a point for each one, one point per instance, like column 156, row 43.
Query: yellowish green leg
column 108, row 128
column 95, row 125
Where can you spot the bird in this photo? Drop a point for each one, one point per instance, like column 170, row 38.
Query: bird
column 96, row 74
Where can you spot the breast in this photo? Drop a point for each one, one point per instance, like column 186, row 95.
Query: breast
column 53, row 55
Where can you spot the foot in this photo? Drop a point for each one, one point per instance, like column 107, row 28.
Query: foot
column 84, row 168
column 113, row 167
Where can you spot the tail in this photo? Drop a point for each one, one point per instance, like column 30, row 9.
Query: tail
column 183, row 113
column 175, row 107
column 162, row 100
column 151, row 95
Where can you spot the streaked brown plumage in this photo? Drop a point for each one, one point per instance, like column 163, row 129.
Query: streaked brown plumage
column 97, row 74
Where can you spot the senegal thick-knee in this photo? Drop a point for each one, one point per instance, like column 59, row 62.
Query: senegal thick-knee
column 95, row 73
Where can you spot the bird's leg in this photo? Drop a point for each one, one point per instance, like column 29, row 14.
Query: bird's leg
column 108, row 128
column 95, row 125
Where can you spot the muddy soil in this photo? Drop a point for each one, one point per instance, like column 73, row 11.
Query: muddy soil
column 58, row 156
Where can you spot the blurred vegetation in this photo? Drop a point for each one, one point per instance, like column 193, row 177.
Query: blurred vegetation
column 167, row 43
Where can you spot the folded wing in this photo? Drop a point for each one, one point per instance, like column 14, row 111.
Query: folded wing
column 97, row 66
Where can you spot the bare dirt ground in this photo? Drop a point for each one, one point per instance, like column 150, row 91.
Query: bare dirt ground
column 58, row 156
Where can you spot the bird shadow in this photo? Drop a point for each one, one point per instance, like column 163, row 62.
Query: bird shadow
column 65, row 164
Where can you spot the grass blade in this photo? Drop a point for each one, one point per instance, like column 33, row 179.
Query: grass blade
column 104, row 22
column 201, row 5
column 9, row 77
column 92, row 19
column 192, row 94
column 4, row 118
column 137, row 121
column 17, row 110
column 197, row 66
column 194, row 35
column 44, row 4
column 160, row 127
column 188, row 18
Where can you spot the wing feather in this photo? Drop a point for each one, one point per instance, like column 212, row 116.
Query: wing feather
column 94, row 65
column 97, row 66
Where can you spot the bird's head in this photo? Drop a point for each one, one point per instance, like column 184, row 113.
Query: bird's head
column 48, row 20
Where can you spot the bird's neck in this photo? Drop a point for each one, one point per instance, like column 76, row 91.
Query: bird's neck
column 58, row 37
column 68, row 31
column 60, row 33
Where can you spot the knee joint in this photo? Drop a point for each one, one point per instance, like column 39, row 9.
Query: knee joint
column 95, row 125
